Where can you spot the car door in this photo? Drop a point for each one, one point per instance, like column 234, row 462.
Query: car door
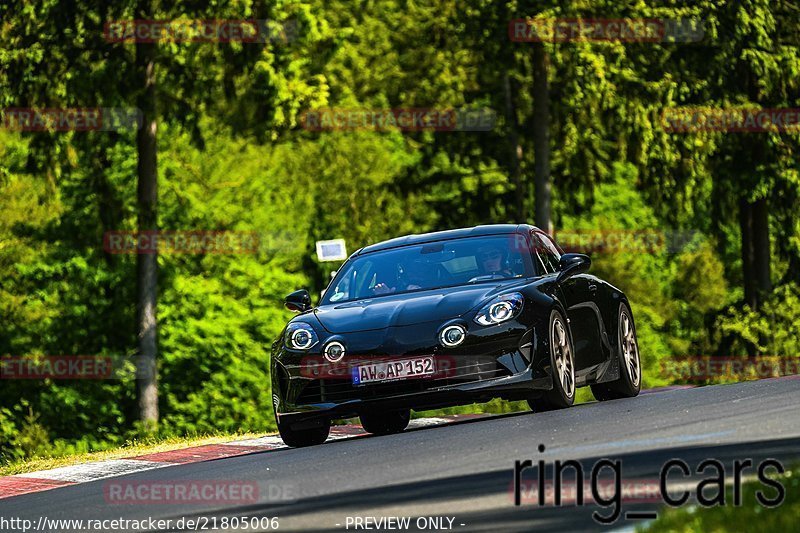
column 580, row 296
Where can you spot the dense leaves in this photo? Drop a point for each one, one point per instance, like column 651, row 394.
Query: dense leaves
column 234, row 156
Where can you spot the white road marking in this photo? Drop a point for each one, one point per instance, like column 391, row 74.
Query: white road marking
column 426, row 422
column 93, row 471
column 268, row 441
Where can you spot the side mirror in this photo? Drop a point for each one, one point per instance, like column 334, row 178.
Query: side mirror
column 298, row 301
column 571, row 264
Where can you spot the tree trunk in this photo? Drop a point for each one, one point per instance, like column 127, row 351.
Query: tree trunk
column 754, row 224
column 541, row 137
column 793, row 271
column 748, row 253
column 761, row 248
column 748, row 262
column 147, row 263
column 515, row 149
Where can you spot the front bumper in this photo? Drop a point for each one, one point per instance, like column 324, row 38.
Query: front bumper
column 497, row 361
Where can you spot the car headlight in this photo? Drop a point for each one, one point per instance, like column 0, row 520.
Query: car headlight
column 300, row 336
column 500, row 309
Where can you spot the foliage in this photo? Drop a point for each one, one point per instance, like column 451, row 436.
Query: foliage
column 773, row 329
column 233, row 156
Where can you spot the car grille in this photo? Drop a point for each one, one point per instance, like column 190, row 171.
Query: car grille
column 340, row 390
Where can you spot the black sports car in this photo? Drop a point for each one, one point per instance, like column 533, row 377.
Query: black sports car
column 450, row 318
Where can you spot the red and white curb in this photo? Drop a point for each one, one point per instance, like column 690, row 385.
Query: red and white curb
column 70, row 475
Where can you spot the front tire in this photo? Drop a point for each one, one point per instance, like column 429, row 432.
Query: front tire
column 385, row 423
column 300, row 438
column 629, row 382
column 562, row 363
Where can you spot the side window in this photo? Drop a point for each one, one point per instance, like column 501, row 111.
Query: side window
column 540, row 262
column 551, row 250
column 364, row 279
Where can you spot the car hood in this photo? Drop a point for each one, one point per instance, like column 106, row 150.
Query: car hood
column 409, row 308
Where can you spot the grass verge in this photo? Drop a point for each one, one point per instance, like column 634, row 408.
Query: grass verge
column 750, row 516
column 131, row 449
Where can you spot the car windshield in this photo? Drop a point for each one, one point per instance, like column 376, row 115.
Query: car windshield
column 430, row 266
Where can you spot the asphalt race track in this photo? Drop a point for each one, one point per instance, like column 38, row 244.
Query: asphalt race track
column 464, row 470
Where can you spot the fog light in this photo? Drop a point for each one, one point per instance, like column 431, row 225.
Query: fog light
column 452, row 336
column 334, row 351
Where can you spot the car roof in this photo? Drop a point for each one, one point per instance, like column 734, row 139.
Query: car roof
column 476, row 231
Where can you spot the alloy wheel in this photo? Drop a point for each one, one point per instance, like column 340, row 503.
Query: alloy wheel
column 562, row 358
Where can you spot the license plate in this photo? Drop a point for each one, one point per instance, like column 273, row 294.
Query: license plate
column 392, row 370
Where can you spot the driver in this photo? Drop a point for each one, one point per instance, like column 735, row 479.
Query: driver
column 491, row 260
column 417, row 274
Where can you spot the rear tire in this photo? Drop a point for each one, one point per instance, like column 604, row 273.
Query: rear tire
column 629, row 382
column 386, row 423
column 562, row 363
column 300, row 438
